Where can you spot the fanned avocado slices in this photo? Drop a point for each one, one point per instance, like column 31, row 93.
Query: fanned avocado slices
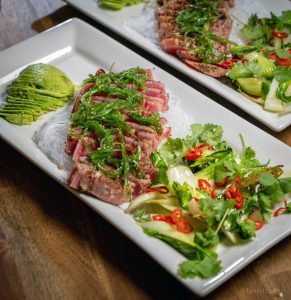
column 38, row 89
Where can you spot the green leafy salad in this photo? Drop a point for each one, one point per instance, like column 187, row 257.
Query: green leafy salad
column 118, row 4
column 264, row 75
column 205, row 192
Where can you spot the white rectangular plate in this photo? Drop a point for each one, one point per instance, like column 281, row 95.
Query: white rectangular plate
column 79, row 49
column 115, row 20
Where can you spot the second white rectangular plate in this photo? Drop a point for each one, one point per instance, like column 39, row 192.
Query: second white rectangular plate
column 115, row 20
column 79, row 49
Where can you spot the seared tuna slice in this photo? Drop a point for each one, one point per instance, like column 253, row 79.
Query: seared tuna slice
column 113, row 159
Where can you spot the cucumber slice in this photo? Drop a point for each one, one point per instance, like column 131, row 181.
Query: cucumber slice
column 252, row 86
column 273, row 103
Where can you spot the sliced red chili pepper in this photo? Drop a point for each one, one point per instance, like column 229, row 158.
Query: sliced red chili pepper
column 222, row 183
column 238, row 200
column 234, row 187
column 284, row 63
column 163, row 218
column 259, row 224
column 201, row 146
column 193, row 154
column 273, row 55
column 197, row 152
column 175, row 219
column 279, row 211
column 183, row 226
column 177, row 215
column 279, row 34
column 204, row 185
column 228, row 63
column 159, row 189
column 233, row 192
column 180, row 223
column 196, row 199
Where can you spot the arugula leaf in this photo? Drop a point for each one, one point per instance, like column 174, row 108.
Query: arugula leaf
column 205, row 268
column 207, row 238
column 183, row 193
column 289, row 208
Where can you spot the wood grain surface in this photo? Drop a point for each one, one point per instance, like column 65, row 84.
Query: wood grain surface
column 52, row 246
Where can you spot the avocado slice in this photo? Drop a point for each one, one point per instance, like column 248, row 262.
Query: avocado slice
column 38, row 89
column 44, row 79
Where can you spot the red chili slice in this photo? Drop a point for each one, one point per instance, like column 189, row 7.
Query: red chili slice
column 175, row 219
column 238, row 200
column 197, row 152
column 177, row 215
column 233, row 192
column 159, row 189
column 228, row 63
column 204, row 185
column 279, row 211
column 222, row 183
column 284, row 63
column 193, row 154
column 259, row 224
column 279, row 34
column 163, row 218
column 183, row 226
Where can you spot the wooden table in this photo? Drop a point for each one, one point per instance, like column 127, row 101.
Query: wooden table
column 52, row 246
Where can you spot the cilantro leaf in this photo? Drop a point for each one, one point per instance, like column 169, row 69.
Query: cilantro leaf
column 271, row 187
column 205, row 268
column 282, row 74
column 207, row 238
column 248, row 159
column 227, row 169
column 214, row 210
column 265, row 205
column 285, row 184
column 207, row 133
column 183, row 193
column 173, row 149
column 237, row 223
column 247, row 229
column 158, row 162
